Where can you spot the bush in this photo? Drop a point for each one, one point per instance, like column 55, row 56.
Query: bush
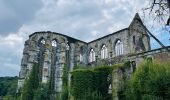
column 91, row 84
column 103, row 79
column 42, row 92
column 65, row 92
column 31, row 84
column 150, row 81
column 81, row 82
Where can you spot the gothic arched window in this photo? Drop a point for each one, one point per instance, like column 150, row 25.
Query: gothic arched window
column 54, row 43
column 41, row 41
column 92, row 55
column 67, row 47
column 104, row 52
column 118, row 48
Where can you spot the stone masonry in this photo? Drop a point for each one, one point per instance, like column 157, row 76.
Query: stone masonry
column 53, row 51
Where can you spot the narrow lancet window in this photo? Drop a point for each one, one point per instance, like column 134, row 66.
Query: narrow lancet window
column 104, row 52
column 119, row 48
column 92, row 55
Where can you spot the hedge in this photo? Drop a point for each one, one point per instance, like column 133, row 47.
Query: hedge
column 150, row 81
column 94, row 83
column 81, row 82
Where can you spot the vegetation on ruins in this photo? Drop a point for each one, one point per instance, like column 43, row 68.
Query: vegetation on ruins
column 32, row 89
column 151, row 81
column 31, row 84
column 92, row 83
column 65, row 87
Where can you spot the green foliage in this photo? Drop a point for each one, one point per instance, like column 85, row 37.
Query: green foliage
column 65, row 91
column 8, row 86
column 92, row 95
column 103, row 79
column 9, row 97
column 31, row 84
column 151, row 81
column 91, row 84
column 82, row 82
column 42, row 92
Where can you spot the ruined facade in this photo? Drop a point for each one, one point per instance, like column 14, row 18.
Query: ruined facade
column 53, row 51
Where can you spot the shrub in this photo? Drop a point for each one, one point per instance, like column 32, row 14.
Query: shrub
column 31, row 84
column 103, row 79
column 150, row 81
column 81, row 82
column 42, row 92
column 91, row 84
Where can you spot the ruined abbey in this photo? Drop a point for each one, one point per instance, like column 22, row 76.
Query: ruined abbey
column 53, row 51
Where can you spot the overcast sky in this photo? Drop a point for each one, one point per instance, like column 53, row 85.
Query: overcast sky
column 82, row 19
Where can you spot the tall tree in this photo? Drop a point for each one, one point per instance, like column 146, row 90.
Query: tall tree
column 160, row 8
column 31, row 83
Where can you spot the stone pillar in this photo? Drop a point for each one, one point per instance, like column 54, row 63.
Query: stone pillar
column 23, row 71
column 72, row 59
column 47, row 62
column 59, row 67
column 72, row 56
column 116, row 83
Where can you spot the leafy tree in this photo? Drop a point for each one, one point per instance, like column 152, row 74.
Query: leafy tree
column 42, row 92
column 150, row 82
column 31, row 84
column 8, row 86
column 65, row 92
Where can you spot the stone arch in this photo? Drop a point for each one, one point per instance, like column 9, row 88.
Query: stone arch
column 118, row 47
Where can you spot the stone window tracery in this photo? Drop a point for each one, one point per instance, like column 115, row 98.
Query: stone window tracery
column 104, row 52
column 92, row 55
column 119, row 48
column 54, row 43
column 42, row 41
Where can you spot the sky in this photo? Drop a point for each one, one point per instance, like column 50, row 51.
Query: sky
column 82, row 19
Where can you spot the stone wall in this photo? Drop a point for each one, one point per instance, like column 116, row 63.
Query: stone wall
column 52, row 51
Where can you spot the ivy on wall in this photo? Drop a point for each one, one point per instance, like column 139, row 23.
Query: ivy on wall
column 95, row 81
column 81, row 82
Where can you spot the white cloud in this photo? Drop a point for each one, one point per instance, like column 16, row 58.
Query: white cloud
column 82, row 19
column 11, row 52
